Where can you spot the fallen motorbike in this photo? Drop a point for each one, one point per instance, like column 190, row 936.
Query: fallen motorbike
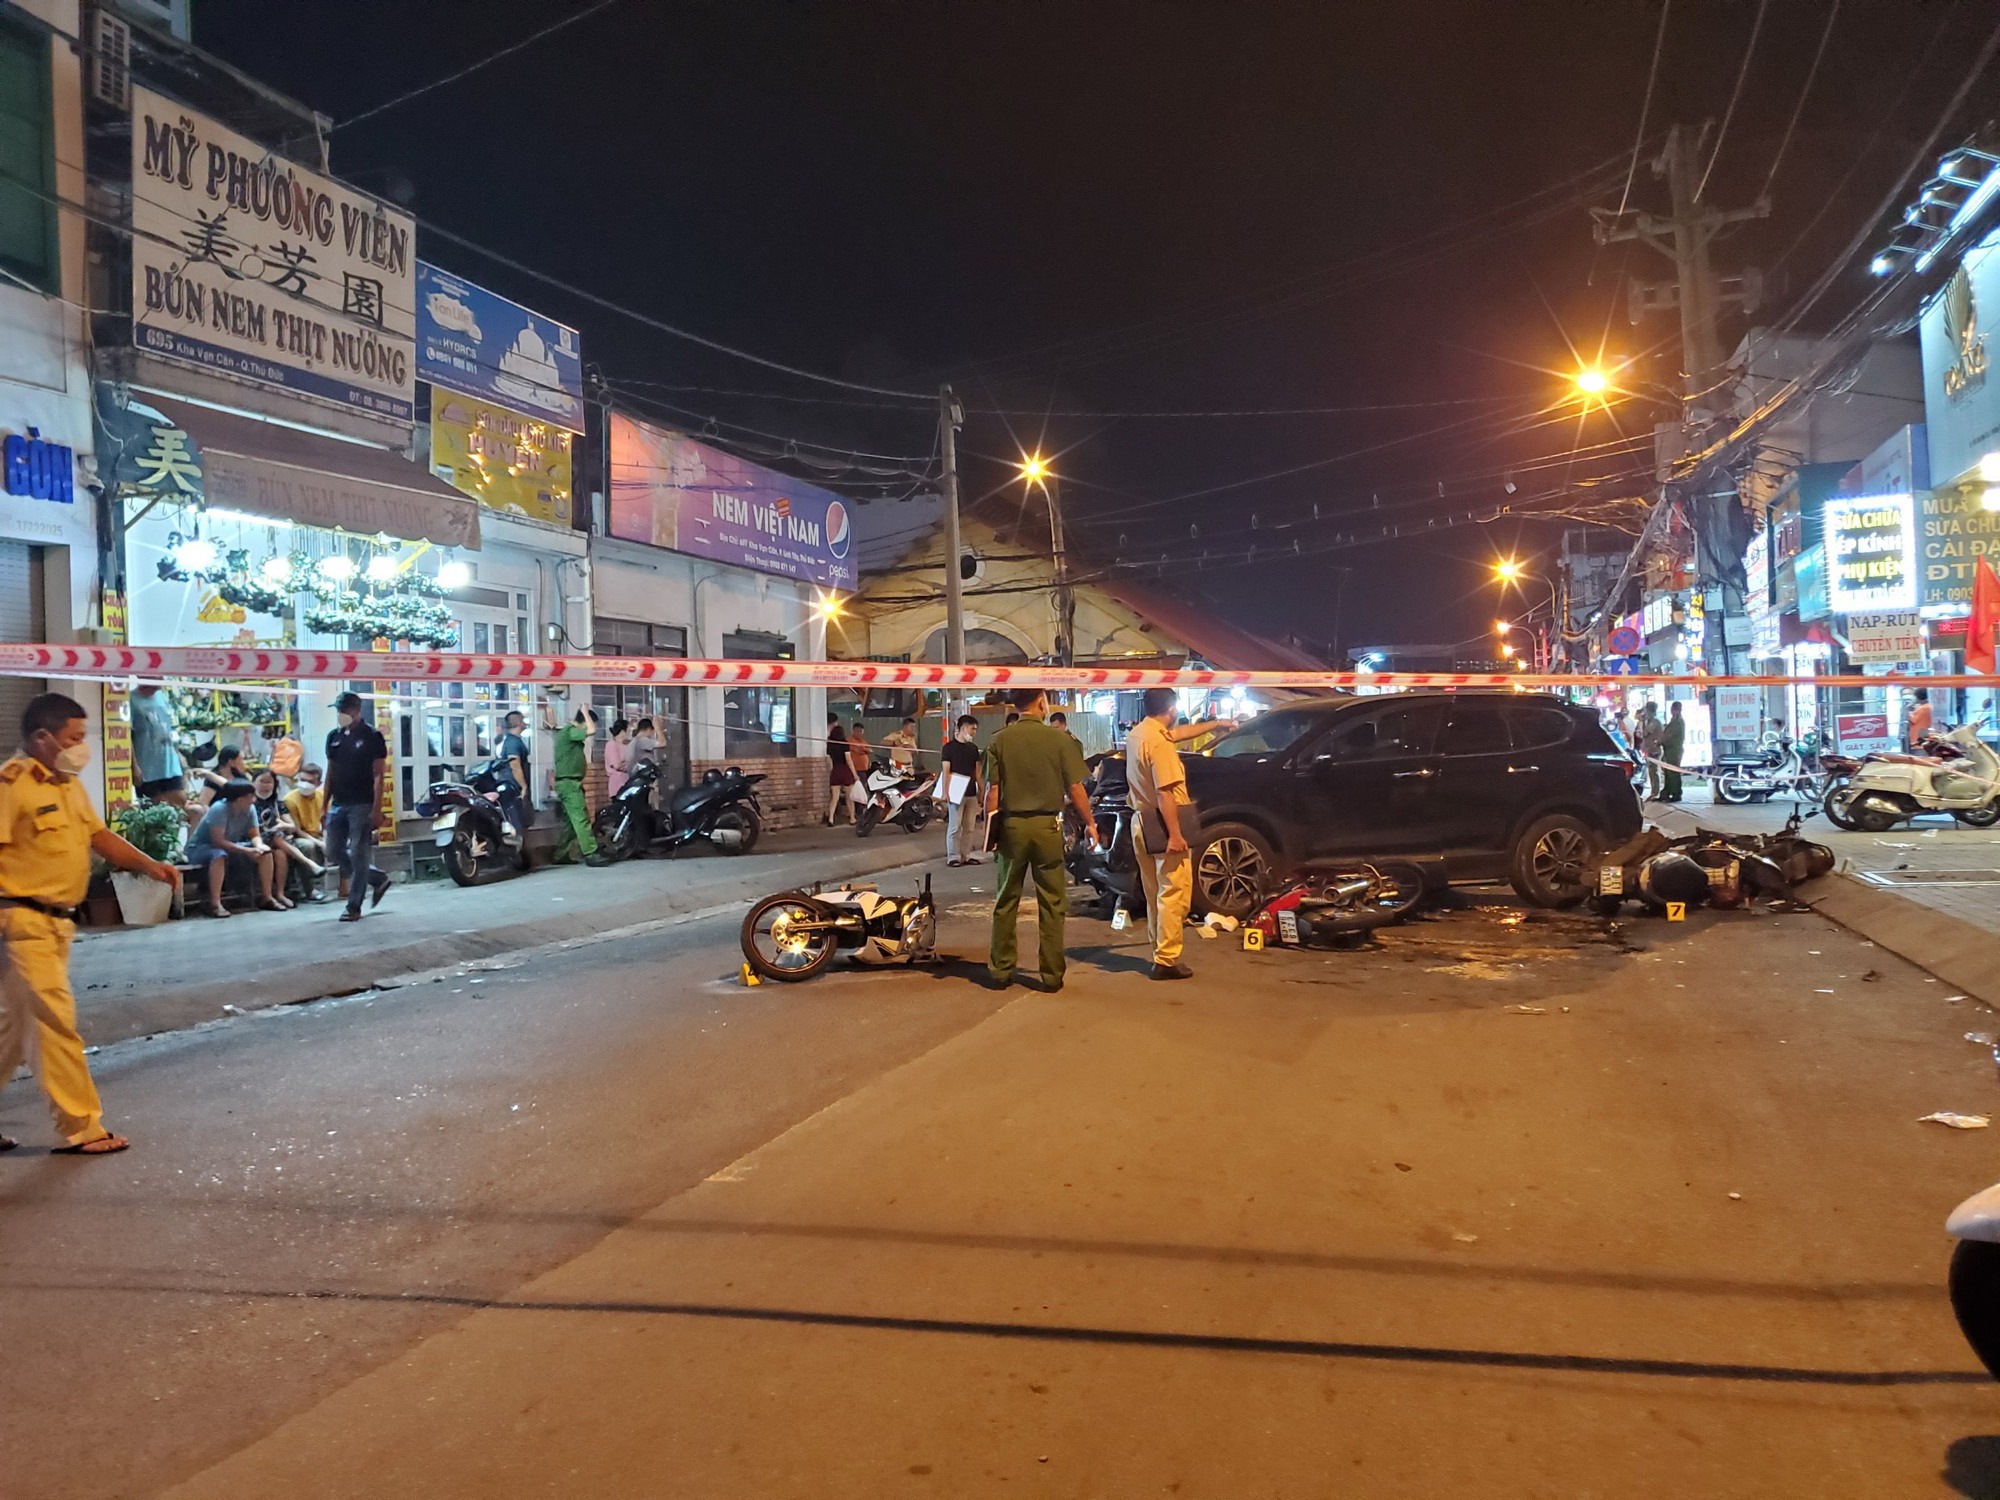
column 1326, row 901
column 1974, row 1280
column 722, row 808
column 796, row 934
column 469, row 826
column 1885, row 790
column 1724, row 870
column 889, row 795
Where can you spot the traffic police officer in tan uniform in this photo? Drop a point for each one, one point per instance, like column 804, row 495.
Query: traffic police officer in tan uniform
column 47, row 832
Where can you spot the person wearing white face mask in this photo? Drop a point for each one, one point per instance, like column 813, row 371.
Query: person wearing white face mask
column 48, row 830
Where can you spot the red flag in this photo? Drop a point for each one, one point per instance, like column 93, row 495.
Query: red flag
column 1982, row 629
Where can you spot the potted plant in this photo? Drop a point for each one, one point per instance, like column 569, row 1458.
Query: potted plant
column 155, row 830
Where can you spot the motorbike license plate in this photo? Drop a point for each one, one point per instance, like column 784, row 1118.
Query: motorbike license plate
column 1288, row 927
column 1611, row 880
column 1727, row 874
column 443, row 827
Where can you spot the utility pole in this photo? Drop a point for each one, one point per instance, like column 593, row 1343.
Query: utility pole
column 950, row 415
column 1684, row 238
column 1065, row 595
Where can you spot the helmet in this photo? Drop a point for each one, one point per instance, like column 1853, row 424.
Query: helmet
column 1672, row 876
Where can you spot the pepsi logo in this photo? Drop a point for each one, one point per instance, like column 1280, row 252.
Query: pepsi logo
column 839, row 530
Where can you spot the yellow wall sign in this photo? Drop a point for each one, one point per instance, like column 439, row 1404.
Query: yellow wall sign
column 501, row 459
column 216, row 610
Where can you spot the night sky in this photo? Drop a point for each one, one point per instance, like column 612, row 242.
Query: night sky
column 1126, row 207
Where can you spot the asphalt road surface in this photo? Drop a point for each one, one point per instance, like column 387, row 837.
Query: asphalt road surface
column 1500, row 1206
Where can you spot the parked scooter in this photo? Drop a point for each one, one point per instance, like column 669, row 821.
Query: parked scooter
column 470, row 827
column 1111, row 867
column 889, row 795
column 1885, row 791
column 1784, row 769
column 722, row 808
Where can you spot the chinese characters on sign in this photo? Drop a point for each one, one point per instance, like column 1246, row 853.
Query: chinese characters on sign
column 245, row 262
column 1871, row 545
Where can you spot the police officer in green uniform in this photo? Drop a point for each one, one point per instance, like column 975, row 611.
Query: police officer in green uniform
column 1030, row 768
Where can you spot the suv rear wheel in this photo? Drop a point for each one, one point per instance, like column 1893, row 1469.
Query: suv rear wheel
column 1234, row 869
column 1555, row 861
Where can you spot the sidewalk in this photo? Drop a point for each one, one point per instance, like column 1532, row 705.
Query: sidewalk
column 133, row 982
column 1929, row 891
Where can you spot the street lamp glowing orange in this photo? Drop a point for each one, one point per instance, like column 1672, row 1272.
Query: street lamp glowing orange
column 1507, row 570
column 1501, row 627
column 1033, row 469
column 1592, row 381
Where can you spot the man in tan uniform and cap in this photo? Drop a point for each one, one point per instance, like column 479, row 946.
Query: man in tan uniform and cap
column 47, row 832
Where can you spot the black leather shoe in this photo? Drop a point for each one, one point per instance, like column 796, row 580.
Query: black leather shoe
column 1051, row 986
column 1172, row 971
column 996, row 982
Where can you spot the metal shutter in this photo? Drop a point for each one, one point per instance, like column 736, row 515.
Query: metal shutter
column 20, row 620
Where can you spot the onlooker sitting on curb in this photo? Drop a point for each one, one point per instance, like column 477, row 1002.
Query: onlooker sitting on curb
column 282, row 834
column 227, row 838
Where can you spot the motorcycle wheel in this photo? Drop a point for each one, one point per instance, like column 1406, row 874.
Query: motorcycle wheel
column 1978, row 817
column 1866, row 820
column 744, row 821
column 613, row 829
column 1730, row 788
column 1975, row 1298
column 919, row 819
column 1835, row 807
column 460, row 863
column 773, row 954
column 866, row 819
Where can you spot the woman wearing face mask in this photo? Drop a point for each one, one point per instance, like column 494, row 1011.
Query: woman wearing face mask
column 48, row 831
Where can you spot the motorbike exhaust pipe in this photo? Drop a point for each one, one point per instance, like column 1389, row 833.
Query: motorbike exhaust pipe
column 726, row 838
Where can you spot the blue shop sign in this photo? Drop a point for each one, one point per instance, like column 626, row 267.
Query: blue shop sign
column 37, row 469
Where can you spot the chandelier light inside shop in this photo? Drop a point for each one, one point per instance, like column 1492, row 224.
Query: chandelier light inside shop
column 360, row 588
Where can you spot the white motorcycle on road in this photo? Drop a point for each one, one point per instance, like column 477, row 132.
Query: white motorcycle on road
column 1889, row 789
column 891, row 795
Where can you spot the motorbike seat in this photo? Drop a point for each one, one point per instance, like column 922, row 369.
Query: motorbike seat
column 689, row 796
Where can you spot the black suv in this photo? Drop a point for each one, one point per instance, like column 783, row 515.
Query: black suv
column 1473, row 786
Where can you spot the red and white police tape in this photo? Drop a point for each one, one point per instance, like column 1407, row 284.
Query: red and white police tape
column 255, row 664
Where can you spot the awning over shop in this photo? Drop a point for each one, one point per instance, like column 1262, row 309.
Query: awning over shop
column 269, row 470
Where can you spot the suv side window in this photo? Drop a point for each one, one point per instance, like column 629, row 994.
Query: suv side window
column 1535, row 728
column 1475, row 729
column 1392, row 734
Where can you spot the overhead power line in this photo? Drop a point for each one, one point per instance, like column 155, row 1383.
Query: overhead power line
column 1743, row 72
column 466, row 72
column 1646, row 104
column 1812, row 72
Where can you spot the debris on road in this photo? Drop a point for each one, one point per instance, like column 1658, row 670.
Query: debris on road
column 1956, row 1122
column 1526, row 1010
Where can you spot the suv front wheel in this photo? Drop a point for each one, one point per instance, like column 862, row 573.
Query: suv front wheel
column 1234, row 868
column 1554, row 862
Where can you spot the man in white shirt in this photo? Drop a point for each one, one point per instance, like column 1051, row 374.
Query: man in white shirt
column 1156, row 786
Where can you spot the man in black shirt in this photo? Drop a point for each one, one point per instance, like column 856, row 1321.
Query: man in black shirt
column 962, row 797
column 357, row 759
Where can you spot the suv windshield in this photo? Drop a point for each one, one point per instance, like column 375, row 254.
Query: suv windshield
column 1268, row 733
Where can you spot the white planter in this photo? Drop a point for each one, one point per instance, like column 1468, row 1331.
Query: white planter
column 142, row 901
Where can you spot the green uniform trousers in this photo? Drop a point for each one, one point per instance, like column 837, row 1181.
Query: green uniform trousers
column 1030, row 844
column 576, row 834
